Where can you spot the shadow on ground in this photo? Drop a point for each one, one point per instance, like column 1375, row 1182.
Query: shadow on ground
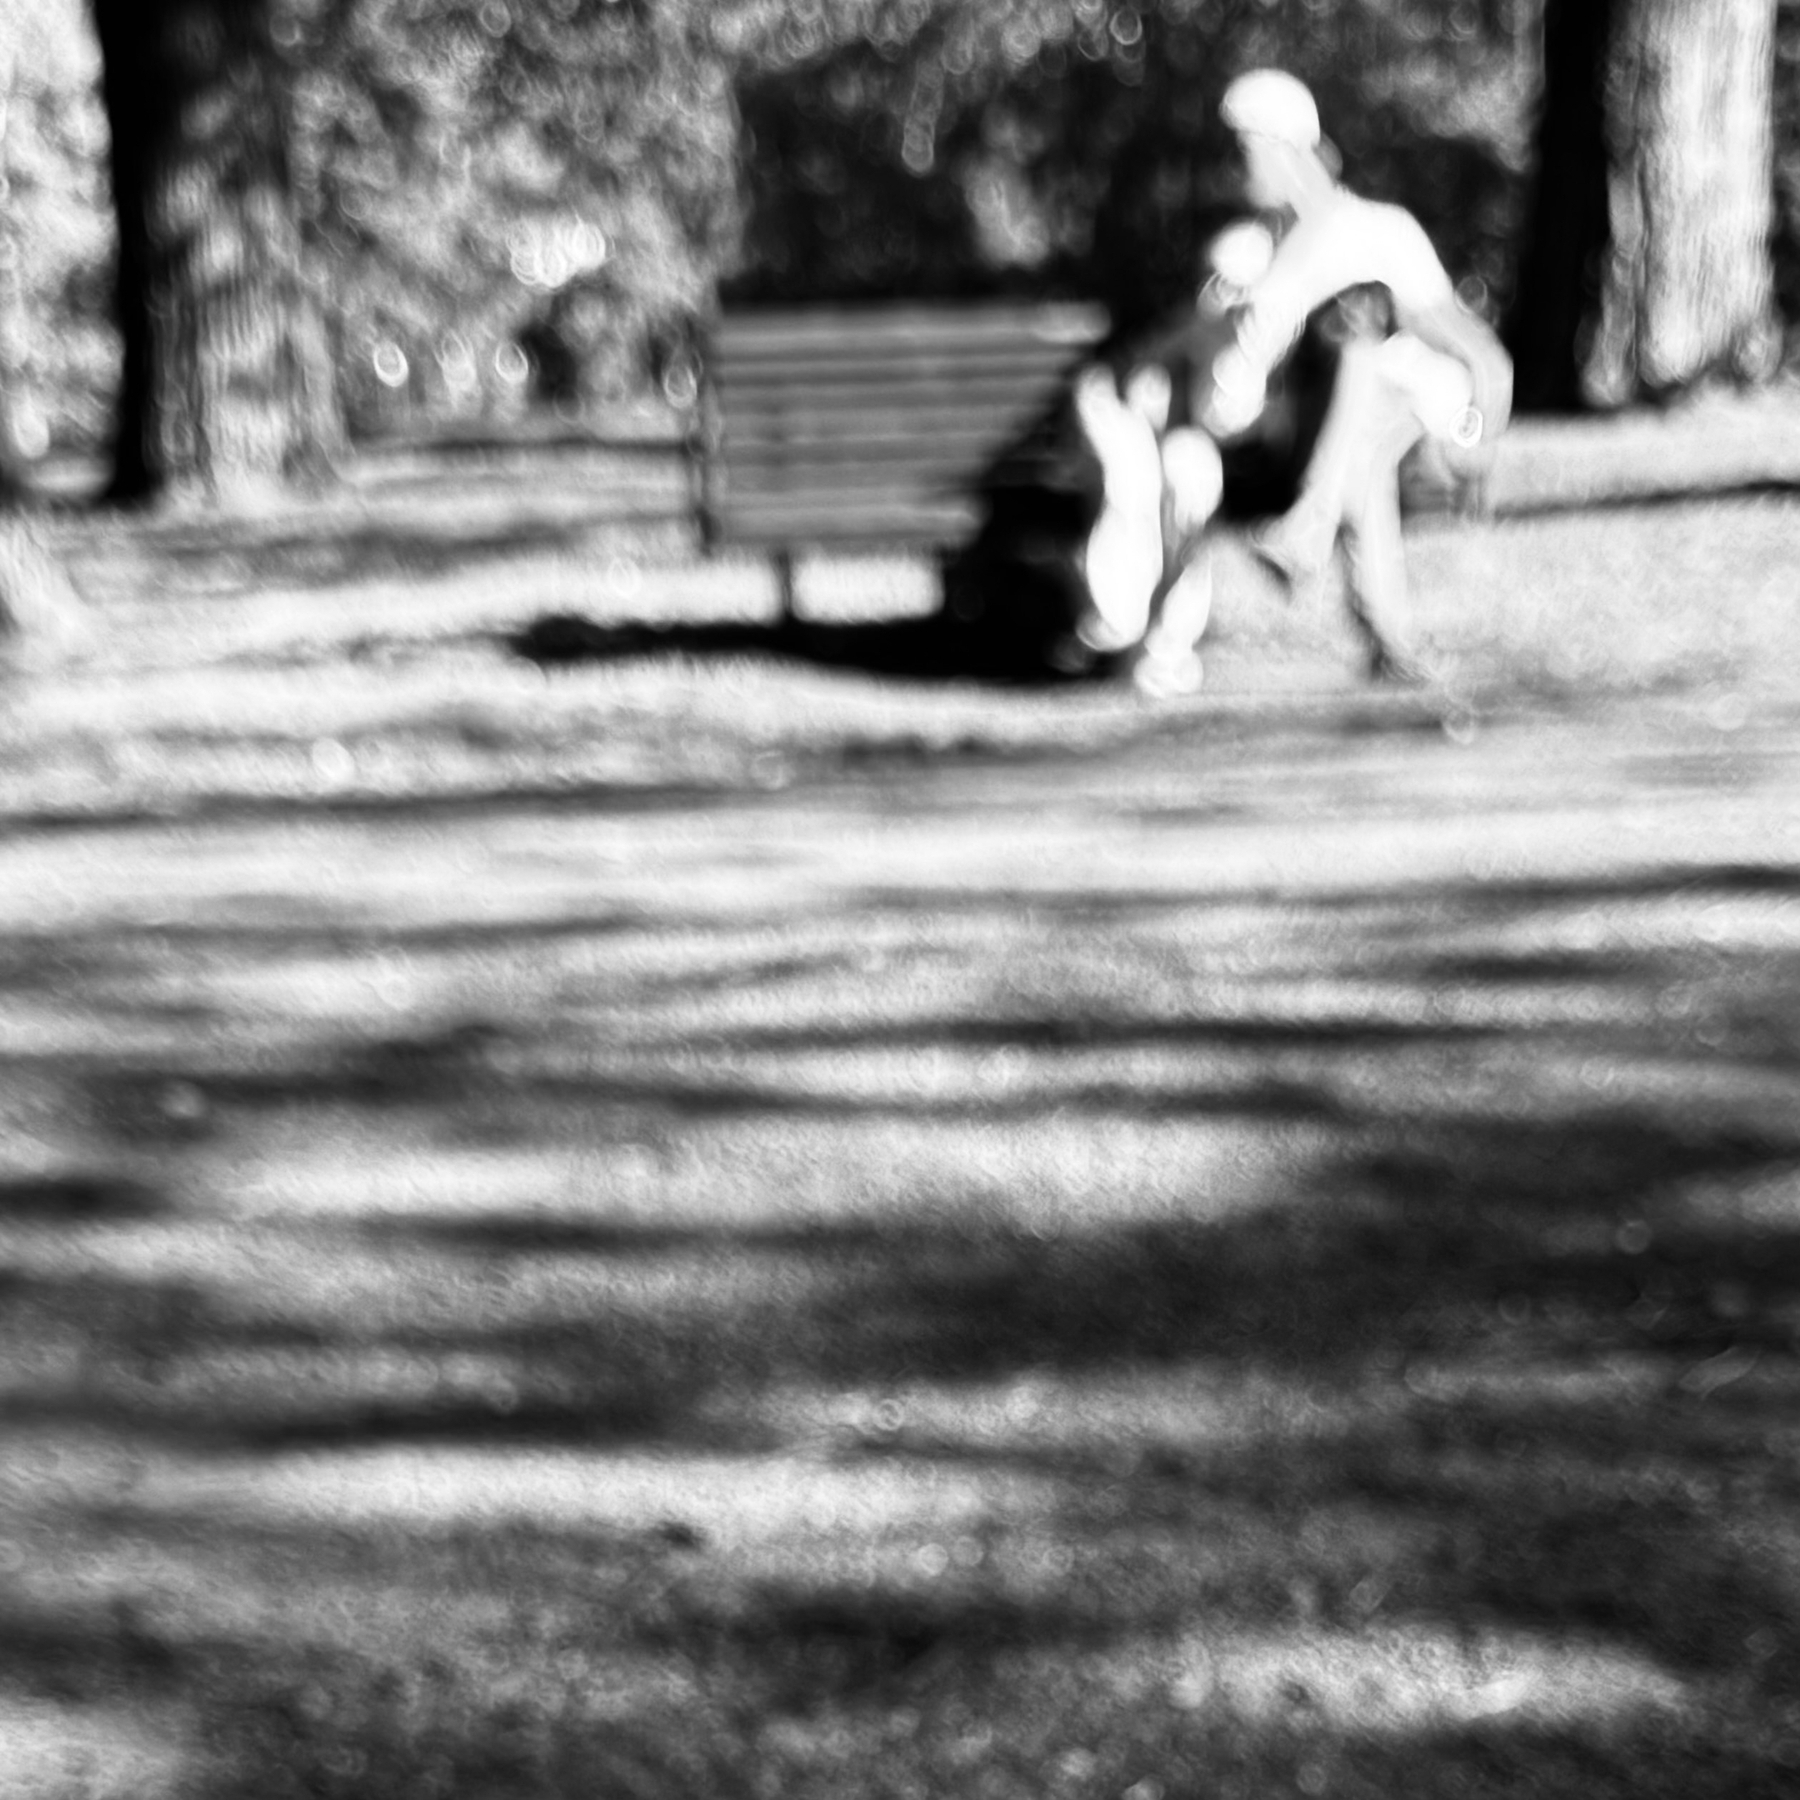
column 1601, row 1478
column 335, row 552
column 1462, row 1462
column 936, row 647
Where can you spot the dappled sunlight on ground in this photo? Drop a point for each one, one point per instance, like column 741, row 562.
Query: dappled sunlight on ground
column 897, row 1243
column 107, row 1753
column 1376, row 1682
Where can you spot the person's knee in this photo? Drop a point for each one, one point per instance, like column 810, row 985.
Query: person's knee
column 1194, row 474
column 1359, row 368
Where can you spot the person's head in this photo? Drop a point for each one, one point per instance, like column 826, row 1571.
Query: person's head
column 1276, row 124
column 1148, row 393
column 1236, row 259
column 1095, row 391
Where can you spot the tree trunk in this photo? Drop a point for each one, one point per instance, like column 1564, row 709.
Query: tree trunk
column 1559, row 267
column 1688, row 290
column 226, row 381
column 12, row 297
column 1647, row 267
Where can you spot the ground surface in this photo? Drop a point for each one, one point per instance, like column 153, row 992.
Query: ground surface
column 710, row 1221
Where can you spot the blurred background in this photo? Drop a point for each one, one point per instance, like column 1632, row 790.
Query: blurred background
column 498, row 206
column 604, row 1191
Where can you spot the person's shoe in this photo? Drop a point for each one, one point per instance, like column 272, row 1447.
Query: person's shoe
column 1168, row 677
column 1101, row 638
column 1289, row 555
column 1400, row 668
column 1071, row 655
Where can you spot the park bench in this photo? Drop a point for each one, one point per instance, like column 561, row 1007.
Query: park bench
column 844, row 428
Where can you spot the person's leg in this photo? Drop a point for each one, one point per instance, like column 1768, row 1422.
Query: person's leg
column 1418, row 392
column 1298, row 544
column 1383, row 394
column 1437, row 387
column 1193, row 485
column 1374, row 550
column 1170, row 662
column 1123, row 558
column 1383, row 389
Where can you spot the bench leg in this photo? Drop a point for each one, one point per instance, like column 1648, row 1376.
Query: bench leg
column 784, row 584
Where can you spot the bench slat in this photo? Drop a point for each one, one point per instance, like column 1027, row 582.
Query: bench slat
column 919, row 484
column 948, row 521
column 940, row 443
column 1001, row 406
column 850, row 330
column 799, row 405
column 906, row 469
column 877, row 369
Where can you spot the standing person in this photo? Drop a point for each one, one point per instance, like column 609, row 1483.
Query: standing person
column 1413, row 362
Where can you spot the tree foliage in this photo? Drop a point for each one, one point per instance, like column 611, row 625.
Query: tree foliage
column 58, row 349
column 492, row 193
column 477, row 173
column 956, row 145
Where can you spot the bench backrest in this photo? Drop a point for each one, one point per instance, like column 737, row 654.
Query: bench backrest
column 874, row 425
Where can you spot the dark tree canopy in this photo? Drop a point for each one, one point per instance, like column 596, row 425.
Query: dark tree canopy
column 970, row 145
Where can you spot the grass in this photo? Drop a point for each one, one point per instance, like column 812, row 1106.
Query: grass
column 718, row 1221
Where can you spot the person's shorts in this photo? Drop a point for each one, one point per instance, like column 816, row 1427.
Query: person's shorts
column 1436, row 387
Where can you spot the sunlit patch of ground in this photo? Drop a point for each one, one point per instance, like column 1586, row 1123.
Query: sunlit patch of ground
column 723, row 1226
column 99, row 1753
column 1379, row 1682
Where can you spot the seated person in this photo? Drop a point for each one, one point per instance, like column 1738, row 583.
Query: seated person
column 1177, row 369
column 1090, row 557
column 1070, row 555
column 1413, row 364
column 1122, row 559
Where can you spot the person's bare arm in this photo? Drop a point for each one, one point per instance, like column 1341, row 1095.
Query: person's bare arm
column 1451, row 328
